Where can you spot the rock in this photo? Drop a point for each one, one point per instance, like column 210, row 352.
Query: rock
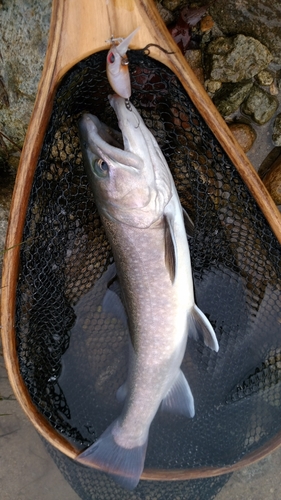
column 270, row 173
column 167, row 16
column 244, row 134
column 194, row 59
column 173, row 4
column 257, row 18
column 269, row 161
column 206, row 24
column 24, row 27
column 276, row 136
column 278, row 79
column 237, row 58
column 273, row 89
column 230, row 96
column 212, row 86
column 260, row 105
column 265, row 77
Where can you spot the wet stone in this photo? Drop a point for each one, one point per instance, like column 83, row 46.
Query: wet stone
column 194, row 59
column 276, row 136
column 233, row 59
column 278, row 79
column 167, row 16
column 244, row 134
column 273, row 89
column 230, row 96
column 212, row 86
column 259, row 19
column 265, row 77
column 260, row 105
column 173, row 4
column 206, row 24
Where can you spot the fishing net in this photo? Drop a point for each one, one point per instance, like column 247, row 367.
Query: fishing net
column 92, row 485
column 73, row 355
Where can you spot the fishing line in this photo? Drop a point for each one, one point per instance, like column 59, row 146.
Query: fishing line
column 146, row 50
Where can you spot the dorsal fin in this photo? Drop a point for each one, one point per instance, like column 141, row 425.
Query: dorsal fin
column 170, row 248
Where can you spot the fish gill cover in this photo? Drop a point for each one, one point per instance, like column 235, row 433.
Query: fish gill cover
column 73, row 355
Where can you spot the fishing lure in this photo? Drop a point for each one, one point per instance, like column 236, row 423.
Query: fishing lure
column 117, row 65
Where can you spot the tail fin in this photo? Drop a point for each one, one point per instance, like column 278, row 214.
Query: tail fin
column 199, row 327
column 124, row 465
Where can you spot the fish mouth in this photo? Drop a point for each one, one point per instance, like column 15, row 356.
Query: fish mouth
column 104, row 142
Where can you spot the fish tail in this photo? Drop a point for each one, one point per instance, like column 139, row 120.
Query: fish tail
column 124, row 465
column 199, row 327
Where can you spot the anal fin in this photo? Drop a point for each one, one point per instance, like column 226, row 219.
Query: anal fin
column 179, row 399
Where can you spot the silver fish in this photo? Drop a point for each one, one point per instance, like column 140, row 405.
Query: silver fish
column 140, row 209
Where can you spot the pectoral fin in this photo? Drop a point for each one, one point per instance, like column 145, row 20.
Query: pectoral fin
column 170, row 248
column 199, row 327
column 188, row 224
column 179, row 398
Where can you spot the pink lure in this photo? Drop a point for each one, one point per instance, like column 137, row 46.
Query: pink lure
column 117, row 65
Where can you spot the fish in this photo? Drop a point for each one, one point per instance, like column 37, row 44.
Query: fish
column 140, row 209
column 117, row 65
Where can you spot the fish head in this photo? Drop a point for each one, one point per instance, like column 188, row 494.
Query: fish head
column 125, row 178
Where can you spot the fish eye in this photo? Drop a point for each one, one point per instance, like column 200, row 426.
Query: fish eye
column 111, row 57
column 100, row 168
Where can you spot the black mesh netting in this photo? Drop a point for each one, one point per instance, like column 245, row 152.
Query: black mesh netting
column 73, row 355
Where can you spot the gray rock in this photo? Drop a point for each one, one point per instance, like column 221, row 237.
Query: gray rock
column 237, row 58
column 194, row 59
column 257, row 18
column 276, row 136
column 260, row 105
column 173, row 4
column 167, row 16
column 230, row 96
column 24, row 29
